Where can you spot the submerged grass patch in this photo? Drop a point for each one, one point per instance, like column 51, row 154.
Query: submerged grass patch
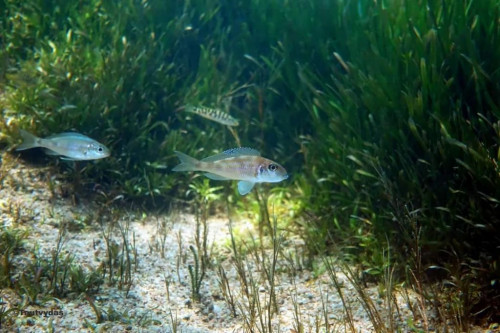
column 410, row 149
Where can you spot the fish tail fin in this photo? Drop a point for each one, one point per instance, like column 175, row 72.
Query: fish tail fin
column 188, row 163
column 30, row 141
column 189, row 108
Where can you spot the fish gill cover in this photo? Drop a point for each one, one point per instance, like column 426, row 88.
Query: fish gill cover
column 385, row 112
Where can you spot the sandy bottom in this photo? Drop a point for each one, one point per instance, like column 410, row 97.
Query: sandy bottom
column 159, row 297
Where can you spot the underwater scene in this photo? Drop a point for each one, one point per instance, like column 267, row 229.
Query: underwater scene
column 250, row 166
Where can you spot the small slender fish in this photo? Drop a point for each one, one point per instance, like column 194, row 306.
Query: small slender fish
column 243, row 164
column 71, row 146
column 213, row 114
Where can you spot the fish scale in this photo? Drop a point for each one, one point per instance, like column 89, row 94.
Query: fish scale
column 243, row 166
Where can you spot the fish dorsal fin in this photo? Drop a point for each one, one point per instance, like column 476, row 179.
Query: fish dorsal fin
column 244, row 187
column 69, row 134
column 234, row 152
column 215, row 157
column 242, row 151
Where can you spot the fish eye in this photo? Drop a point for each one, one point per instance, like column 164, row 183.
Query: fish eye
column 273, row 167
column 100, row 149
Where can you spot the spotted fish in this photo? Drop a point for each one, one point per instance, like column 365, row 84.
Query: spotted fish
column 213, row 114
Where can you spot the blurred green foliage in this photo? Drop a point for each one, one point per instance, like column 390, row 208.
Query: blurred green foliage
column 406, row 142
column 386, row 112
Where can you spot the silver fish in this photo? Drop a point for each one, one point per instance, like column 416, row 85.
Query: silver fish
column 213, row 114
column 243, row 164
column 71, row 146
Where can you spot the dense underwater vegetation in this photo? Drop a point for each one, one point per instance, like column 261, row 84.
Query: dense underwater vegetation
column 386, row 113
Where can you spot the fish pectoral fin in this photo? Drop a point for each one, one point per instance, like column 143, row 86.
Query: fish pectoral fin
column 215, row 177
column 244, row 187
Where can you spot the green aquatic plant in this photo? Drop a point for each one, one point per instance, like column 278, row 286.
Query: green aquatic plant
column 121, row 252
column 205, row 198
column 196, row 273
column 163, row 228
column 59, row 264
column 256, row 313
column 7, row 315
column 84, row 281
column 128, row 256
column 225, row 288
column 36, row 277
column 175, row 323
column 11, row 241
column 407, row 124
